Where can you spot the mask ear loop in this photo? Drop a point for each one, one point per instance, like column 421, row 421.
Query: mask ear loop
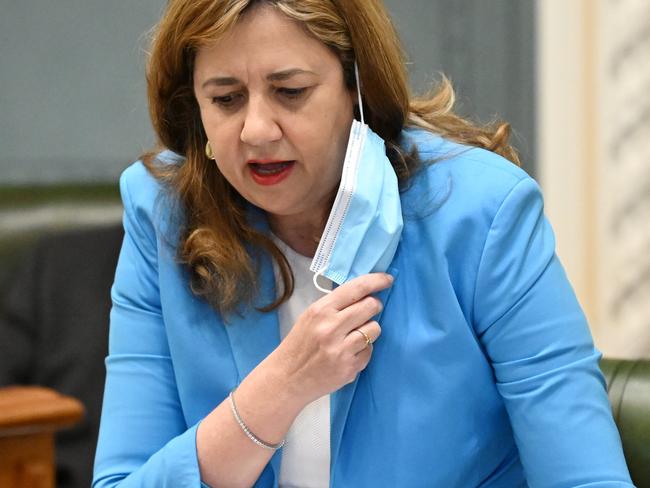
column 318, row 287
column 356, row 76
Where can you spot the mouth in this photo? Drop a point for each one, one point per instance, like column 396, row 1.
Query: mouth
column 269, row 172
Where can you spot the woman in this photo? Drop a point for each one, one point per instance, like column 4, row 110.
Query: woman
column 450, row 351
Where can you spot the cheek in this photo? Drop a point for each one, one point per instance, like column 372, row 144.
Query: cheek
column 227, row 171
column 337, row 138
column 328, row 136
column 225, row 161
column 224, row 137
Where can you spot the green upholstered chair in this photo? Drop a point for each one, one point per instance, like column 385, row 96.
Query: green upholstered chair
column 628, row 387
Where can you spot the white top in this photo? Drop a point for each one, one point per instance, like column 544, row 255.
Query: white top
column 306, row 454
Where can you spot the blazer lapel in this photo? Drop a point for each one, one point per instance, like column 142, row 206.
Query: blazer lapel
column 253, row 335
column 341, row 399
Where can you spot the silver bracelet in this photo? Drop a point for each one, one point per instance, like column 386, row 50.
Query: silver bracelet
column 249, row 434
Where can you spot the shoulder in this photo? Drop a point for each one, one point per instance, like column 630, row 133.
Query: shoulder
column 467, row 207
column 461, row 181
column 148, row 204
column 138, row 186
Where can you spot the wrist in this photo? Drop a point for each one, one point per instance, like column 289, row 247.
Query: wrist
column 290, row 386
column 247, row 431
column 266, row 404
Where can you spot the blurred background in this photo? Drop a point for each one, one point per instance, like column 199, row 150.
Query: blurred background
column 573, row 79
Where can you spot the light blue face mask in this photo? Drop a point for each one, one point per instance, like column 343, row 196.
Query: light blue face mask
column 365, row 223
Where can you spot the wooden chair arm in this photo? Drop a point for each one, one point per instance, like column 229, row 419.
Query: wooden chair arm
column 36, row 409
column 29, row 416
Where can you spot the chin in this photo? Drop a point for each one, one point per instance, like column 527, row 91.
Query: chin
column 269, row 205
column 275, row 210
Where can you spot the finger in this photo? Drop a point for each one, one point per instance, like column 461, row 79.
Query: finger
column 358, row 314
column 362, row 358
column 358, row 288
column 363, row 337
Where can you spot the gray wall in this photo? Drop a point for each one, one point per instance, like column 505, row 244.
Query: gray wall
column 487, row 48
column 72, row 93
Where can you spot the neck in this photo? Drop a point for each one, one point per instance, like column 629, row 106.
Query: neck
column 302, row 235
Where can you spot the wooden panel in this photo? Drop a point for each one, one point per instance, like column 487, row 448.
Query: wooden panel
column 29, row 416
column 27, row 461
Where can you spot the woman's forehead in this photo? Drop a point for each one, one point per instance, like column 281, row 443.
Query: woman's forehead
column 266, row 41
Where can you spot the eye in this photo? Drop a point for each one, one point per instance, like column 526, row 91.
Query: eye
column 228, row 101
column 292, row 93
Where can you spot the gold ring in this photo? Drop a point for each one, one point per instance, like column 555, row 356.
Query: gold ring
column 365, row 336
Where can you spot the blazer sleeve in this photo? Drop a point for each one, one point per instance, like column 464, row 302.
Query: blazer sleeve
column 143, row 439
column 545, row 365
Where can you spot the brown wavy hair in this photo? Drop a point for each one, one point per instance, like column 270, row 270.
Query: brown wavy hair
column 218, row 244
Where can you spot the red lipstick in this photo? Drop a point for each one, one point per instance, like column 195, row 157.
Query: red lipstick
column 269, row 171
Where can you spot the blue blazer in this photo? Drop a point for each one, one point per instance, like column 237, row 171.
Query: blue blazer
column 485, row 373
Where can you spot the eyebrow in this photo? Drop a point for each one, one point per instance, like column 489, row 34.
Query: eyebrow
column 276, row 76
column 287, row 73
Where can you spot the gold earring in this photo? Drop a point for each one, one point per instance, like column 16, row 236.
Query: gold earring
column 208, row 150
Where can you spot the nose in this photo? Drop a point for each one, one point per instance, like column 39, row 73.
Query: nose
column 260, row 123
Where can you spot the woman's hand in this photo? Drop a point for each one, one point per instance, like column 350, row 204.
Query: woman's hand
column 322, row 353
column 325, row 350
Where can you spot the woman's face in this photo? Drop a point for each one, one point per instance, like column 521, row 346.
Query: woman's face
column 277, row 113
